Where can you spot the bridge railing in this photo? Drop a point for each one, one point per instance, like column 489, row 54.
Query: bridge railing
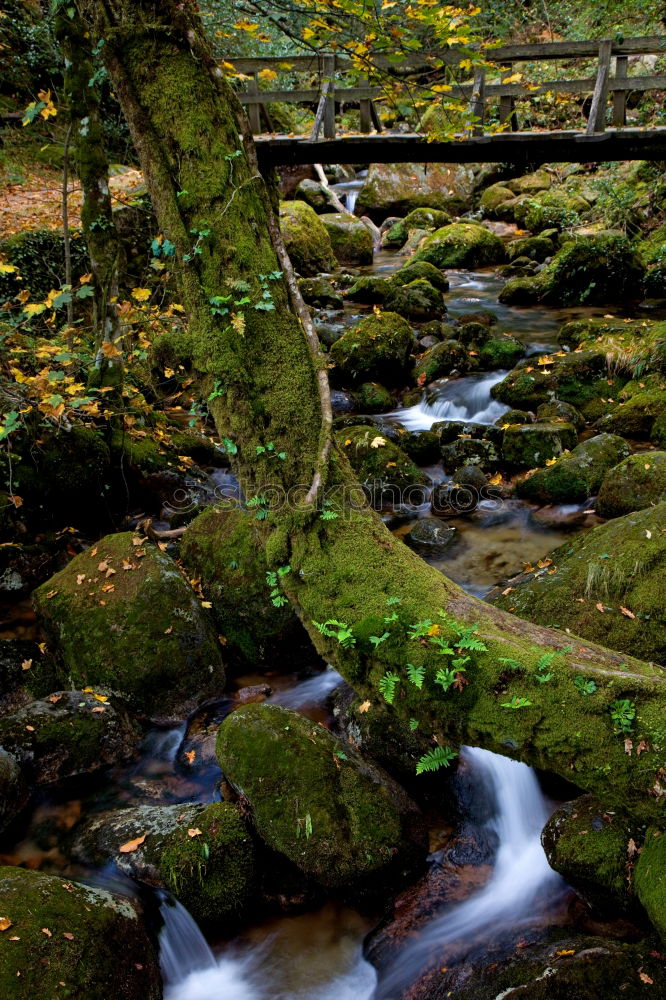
column 479, row 95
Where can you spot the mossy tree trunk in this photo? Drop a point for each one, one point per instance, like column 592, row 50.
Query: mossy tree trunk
column 92, row 168
column 270, row 389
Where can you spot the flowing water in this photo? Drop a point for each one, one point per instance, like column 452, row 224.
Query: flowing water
column 347, row 192
column 465, row 399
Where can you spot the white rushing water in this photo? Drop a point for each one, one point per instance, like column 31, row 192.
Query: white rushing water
column 466, row 399
column 347, row 192
column 191, row 971
column 313, row 691
column 522, row 880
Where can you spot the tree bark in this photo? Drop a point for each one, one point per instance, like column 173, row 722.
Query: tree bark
column 199, row 161
column 92, row 168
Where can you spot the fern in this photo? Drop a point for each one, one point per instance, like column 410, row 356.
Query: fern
column 416, row 675
column 508, row 662
column 445, row 678
column 545, row 662
column 432, row 761
column 377, row 640
column 388, row 685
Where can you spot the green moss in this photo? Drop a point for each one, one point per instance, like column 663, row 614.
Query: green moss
column 525, row 446
column 593, row 270
column 421, row 446
column 379, row 463
column 534, row 247
column 442, row 359
column 539, row 180
column 96, row 947
column 420, row 269
column 369, row 288
column 350, row 238
column 371, row 397
column 224, row 550
column 500, row 352
column 420, row 218
column 493, row 197
column 320, row 293
column 377, row 349
column 314, row 801
column 140, row 454
column 145, row 635
column 638, row 482
column 418, row 300
column 637, row 416
column 577, row 475
column 555, row 209
column 650, row 878
column 306, row 238
column 462, row 244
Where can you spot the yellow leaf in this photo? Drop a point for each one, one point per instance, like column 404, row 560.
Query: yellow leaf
column 514, row 78
column 496, row 479
column 8, row 268
column 141, row 294
column 26, row 665
column 110, row 350
column 267, row 74
column 364, row 706
column 378, row 442
column 5, row 923
column 132, row 845
column 194, row 832
column 100, row 697
column 189, row 756
column 551, row 461
column 206, row 604
column 34, row 309
column 46, row 931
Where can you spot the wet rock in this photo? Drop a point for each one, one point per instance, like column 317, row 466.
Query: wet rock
column 69, row 733
column 420, row 218
column 121, row 615
column 253, row 693
column 515, row 417
column 223, row 550
column 399, row 188
column 421, row 446
column 540, row 180
column 580, row 378
column 642, row 416
column 14, row 791
column 371, row 397
column 212, row 870
column 591, row 847
column 97, row 943
column 350, row 238
column 340, row 820
column 463, row 244
column 637, row 482
column 328, row 333
column 493, row 197
column 320, row 292
column 473, row 334
column 316, row 195
column 420, row 269
column 306, row 239
column 418, row 300
column 533, row 247
column 382, row 467
column 616, row 565
column 14, row 653
column 556, row 411
column 445, row 358
column 342, row 402
column 377, row 349
column 470, row 451
column 577, row 475
column 650, row 878
column 429, row 533
column 500, row 352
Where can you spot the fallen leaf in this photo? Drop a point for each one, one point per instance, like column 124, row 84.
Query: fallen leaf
column 648, row 534
column 641, row 748
column 5, row 923
column 206, row 604
column 628, row 746
column 66, row 934
column 194, row 832
column 110, row 572
column 566, row 951
column 108, row 588
column 190, row 756
column 647, row 465
column 551, row 461
column 632, row 850
column 496, row 479
column 46, row 931
column 169, row 630
column 30, row 729
column 507, row 591
column 132, row 845
column 644, row 978
column 54, row 698
column 543, row 563
column 627, row 613
column 100, row 697
column 378, row 442
column 51, row 594
column 137, row 541
column 600, row 607
column 103, row 566
column 364, row 706
column 80, row 577
column 98, row 709
column 26, row 665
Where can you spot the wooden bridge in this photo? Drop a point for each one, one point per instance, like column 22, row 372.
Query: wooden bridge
column 603, row 96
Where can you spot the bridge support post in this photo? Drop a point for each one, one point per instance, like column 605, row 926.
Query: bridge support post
column 477, row 105
column 329, row 97
column 597, row 119
column 365, row 112
column 620, row 96
column 507, row 106
column 254, row 110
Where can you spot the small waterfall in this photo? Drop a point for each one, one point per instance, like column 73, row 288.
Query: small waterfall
column 347, row 192
column 521, row 879
column 314, row 691
column 183, row 948
column 465, row 399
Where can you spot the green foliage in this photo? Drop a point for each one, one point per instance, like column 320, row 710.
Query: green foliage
column 517, row 703
column 432, row 761
column 416, row 675
column 584, row 686
column 337, row 630
column 388, row 685
column 623, row 713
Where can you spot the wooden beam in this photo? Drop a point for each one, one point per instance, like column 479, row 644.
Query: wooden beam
column 521, row 148
column 329, row 97
column 477, row 104
column 597, row 120
column 254, row 112
column 620, row 96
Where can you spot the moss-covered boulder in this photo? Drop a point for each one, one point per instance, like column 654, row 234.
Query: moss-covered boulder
column 313, row 799
column 369, row 288
column 618, row 566
column 473, row 451
column 371, row 397
column 576, row 475
column 462, row 244
column 593, row 270
column 499, row 352
column 306, row 239
column 558, row 411
column 494, row 196
column 580, row 378
column 14, row 791
column 638, row 416
column 590, row 847
column 637, row 482
column 224, row 551
column 650, row 878
column 430, row 534
column 399, row 188
column 554, row 209
column 534, row 247
column 71, row 940
column 350, row 238
column 320, row 293
column 316, row 195
column 204, row 854
column 121, row 615
column 377, row 349
column 420, row 218
column 375, row 290
column 382, row 467
column 539, row 180
column 69, row 733
column 524, row 290
column 418, row 300
column 420, row 269
column 445, row 358
column 421, row 446
column 525, row 446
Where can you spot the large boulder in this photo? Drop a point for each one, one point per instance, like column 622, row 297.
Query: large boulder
column 418, row 300
column 343, row 822
column 377, row 350
column 122, row 615
column 606, row 586
column 580, row 378
column 555, row 209
column 14, row 791
column 540, row 180
column 69, row 733
column 576, row 475
column 462, row 244
column 306, row 239
column 223, row 549
column 642, row 416
column 350, row 238
column 650, row 877
column 202, row 853
column 525, row 446
column 637, row 482
column 316, row 195
column 495, row 196
column 446, row 358
column 384, row 469
column 590, row 846
column 71, row 940
column 421, row 218
column 398, row 188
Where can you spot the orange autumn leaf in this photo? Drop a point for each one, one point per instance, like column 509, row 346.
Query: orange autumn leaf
column 132, row 845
